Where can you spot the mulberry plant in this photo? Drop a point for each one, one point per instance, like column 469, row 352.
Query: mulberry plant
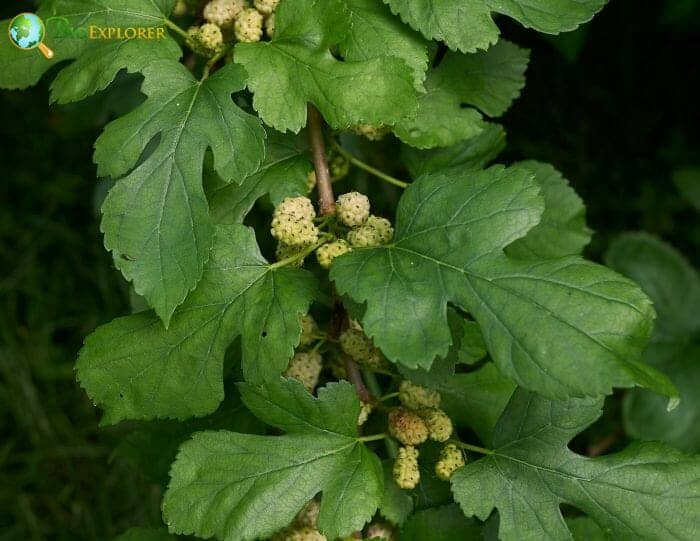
column 359, row 320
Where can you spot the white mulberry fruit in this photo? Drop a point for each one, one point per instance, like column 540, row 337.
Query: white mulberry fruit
column 270, row 25
column 285, row 251
column 407, row 426
column 308, row 516
column 416, row 397
column 364, row 236
column 305, row 533
column 365, row 410
column 352, row 208
column 438, row 422
column 380, row 530
column 451, row 459
column 249, row 25
column 406, row 473
column 223, row 12
column 328, row 252
column 266, row 7
column 373, row 133
column 292, row 222
column 382, row 226
column 210, row 36
column 309, row 330
column 305, row 367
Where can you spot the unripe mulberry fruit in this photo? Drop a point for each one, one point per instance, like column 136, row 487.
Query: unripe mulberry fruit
column 310, row 181
column 383, row 228
column 407, row 426
column 270, row 25
column 416, row 397
column 406, row 473
column 356, row 344
column 308, row 516
column 266, row 6
column 364, row 236
column 296, row 207
column 285, row 251
column 309, row 330
column 380, row 530
column 292, row 222
column 180, row 8
column 249, row 25
column 304, row 534
column 328, row 252
column 352, row 208
column 210, row 36
column 338, row 165
column 223, row 12
column 365, row 410
column 305, row 367
column 373, row 133
column 451, row 459
column 439, row 423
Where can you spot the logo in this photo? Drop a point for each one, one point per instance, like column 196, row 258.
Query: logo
column 27, row 32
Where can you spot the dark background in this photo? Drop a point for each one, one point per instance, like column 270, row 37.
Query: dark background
column 614, row 106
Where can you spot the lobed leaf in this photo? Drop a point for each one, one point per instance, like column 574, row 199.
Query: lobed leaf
column 156, row 219
column 136, row 369
column 297, row 67
column 468, row 26
column 460, row 86
column 451, row 229
column 243, row 487
column 646, row 491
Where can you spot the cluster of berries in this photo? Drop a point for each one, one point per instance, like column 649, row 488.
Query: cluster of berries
column 306, row 366
column 366, row 230
column 418, row 419
column 227, row 20
column 295, row 230
column 305, row 527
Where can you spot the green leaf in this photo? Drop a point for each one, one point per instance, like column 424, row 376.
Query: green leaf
column 283, row 174
column 98, row 61
column 451, row 230
column 488, row 81
column 152, row 446
column 473, row 153
column 562, row 230
column 647, row 491
column 470, row 27
column 473, row 400
column 240, row 486
column 156, row 219
column 585, row 529
column 396, row 504
column 674, row 286
column 664, row 274
column 468, row 346
column 136, row 369
column 445, row 523
column 374, row 33
column 146, row 534
column 297, row 67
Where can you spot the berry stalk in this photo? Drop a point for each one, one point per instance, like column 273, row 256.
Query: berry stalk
column 326, row 199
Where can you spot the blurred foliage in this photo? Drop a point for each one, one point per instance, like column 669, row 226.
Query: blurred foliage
column 614, row 106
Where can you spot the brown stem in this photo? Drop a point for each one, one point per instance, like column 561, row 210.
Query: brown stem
column 326, row 199
column 356, row 379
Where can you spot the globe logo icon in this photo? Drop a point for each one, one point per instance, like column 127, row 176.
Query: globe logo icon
column 27, row 31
